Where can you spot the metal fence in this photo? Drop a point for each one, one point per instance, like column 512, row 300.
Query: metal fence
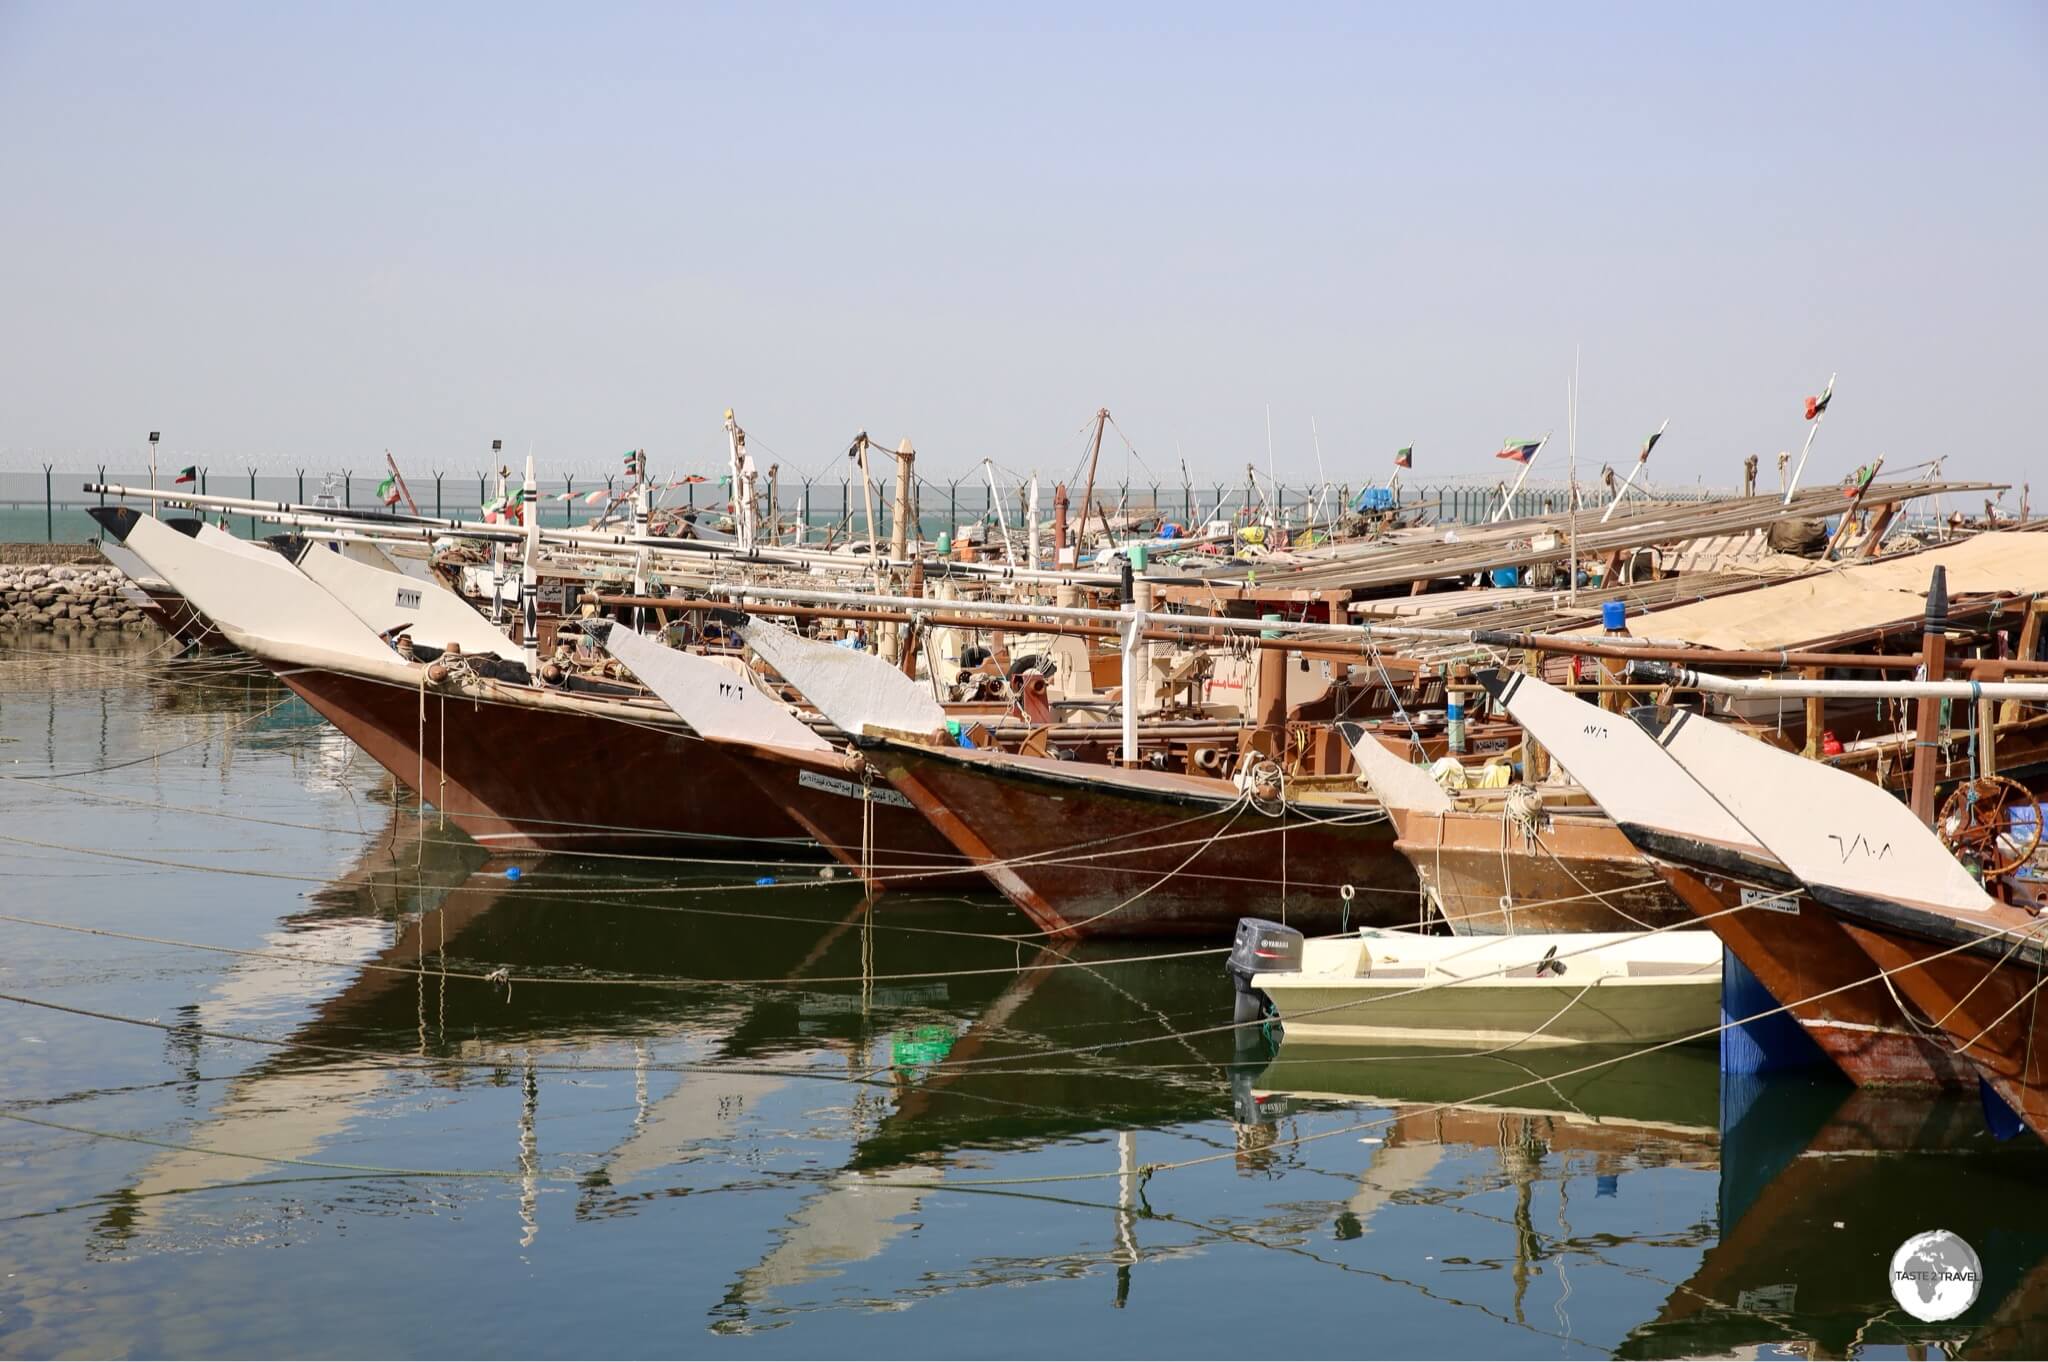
column 49, row 506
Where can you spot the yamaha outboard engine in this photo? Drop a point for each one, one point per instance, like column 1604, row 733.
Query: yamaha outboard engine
column 1261, row 947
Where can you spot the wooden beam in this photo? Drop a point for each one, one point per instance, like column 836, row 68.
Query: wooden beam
column 2030, row 643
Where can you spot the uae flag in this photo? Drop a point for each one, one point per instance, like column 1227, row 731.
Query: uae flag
column 1404, row 457
column 1816, row 405
column 387, row 491
column 190, row 473
column 1521, row 451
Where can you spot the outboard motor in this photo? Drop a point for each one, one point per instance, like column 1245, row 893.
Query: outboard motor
column 1261, row 947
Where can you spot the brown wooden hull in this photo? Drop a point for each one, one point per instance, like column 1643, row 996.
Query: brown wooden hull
column 1579, row 874
column 1986, row 1003
column 825, row 794
column 1813, row 967
column 539, row 778
column 1088, row 851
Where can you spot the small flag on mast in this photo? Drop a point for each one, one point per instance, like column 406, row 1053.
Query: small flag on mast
column 599, row 497
column 1817, row 405
column 1404, row 457
column 1521, row 451
column 190, row 473
column 1649, row 445
column 387, row 491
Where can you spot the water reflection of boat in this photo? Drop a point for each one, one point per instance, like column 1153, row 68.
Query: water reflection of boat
column 420, row 901
column 1592, row 1097
column 294, row 1106
column 1818, row 1189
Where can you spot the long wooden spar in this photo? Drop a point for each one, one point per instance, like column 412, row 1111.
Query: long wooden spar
column 944, row 620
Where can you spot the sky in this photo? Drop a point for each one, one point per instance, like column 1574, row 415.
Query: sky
column 297, row 235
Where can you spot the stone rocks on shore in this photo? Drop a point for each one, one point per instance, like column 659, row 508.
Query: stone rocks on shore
column 66, row 596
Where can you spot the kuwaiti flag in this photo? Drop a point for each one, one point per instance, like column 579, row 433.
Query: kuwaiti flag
column 1521, row 451
column 599, row 497
column 1404, row 457
column 1816, row 405
column 1649, row 445
column 189, row 473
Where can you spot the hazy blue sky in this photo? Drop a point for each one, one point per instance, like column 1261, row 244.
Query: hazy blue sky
column 301, row 233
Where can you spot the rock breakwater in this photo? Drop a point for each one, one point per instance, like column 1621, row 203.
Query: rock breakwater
column 67, row 596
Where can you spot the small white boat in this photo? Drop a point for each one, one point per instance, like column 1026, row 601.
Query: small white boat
column 1607, row 988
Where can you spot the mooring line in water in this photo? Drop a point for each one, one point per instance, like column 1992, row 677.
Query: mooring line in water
column 1146, row 1171
column 249, row 669
column 414, row 1062
column 1689, row 924
column 129, row 1137
column 170, row 650
column 504, row 977
column 754, row 886
column 1220, row 1229
column 235, row 727
column 899, row 873
column 895, row 873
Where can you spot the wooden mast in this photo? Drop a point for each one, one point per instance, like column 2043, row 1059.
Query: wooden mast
column 1088, row 488
column 1927, row 717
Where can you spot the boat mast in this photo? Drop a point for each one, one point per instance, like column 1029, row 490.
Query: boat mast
column 1572, row 480
column 529, row 570
column 995, row 497
column 859, row 453
column 498, row 548
column 1032, row 516
column 1088, row 488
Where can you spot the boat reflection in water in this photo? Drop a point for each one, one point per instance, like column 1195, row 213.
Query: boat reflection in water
column 1819, row 1185
column 832, row 1075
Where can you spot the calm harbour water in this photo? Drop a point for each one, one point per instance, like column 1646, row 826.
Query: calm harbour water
column 869, row 1131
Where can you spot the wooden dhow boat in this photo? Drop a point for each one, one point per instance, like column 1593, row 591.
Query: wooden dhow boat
column 1523, row 858
column 1800, row 953
column 1974, row 966
column 1087, row 849
column 512, row 764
